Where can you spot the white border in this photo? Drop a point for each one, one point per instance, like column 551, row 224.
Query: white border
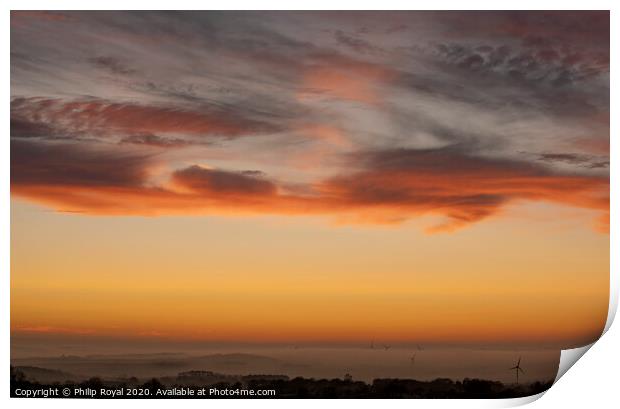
column 606, row 354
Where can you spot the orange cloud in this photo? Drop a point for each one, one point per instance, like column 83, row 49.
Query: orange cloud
column 21, row 17
column 328, row 133
column 391, row 186
column 345, row 79
column 461, row 187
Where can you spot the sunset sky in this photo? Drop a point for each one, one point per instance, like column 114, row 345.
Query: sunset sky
column 435, row 177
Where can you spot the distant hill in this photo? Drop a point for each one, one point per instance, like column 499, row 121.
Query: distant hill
column 236, row 360
column 156, row 365
column 44, row 375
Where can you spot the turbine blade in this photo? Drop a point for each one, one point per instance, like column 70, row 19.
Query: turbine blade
column 522, row 371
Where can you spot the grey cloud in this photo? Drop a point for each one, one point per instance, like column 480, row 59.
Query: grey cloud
column 215, row 181
column 75, row 164
column 355, row 43
column 587, row 161
column 156, row 141
column 113, row 65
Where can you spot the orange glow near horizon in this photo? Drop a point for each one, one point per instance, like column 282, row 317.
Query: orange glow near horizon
column 308, row 281
column 314, row 177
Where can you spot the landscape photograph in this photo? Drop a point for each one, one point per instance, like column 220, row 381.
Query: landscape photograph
column 306, row 204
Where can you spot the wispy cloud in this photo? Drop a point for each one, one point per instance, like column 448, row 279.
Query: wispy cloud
column 377, row 116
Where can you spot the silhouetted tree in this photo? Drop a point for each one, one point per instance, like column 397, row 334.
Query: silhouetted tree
column 93, row 383
column 153, row 385
column 17, row 376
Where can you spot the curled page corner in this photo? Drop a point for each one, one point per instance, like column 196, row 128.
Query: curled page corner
column 568, row 357
column 515, row 402
column 527, row 399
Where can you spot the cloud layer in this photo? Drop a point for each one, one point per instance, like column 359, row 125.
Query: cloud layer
column 374, row 117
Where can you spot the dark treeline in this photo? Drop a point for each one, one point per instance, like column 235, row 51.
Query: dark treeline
column 301, row 387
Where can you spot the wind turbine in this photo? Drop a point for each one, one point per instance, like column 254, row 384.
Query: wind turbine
column 413, row 358
column 517, row 368
column 372, row 344
column 386, row 347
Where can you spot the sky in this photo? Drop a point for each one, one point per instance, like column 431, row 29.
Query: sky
column 436, row 177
